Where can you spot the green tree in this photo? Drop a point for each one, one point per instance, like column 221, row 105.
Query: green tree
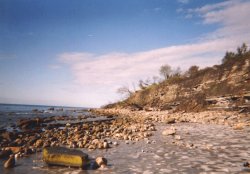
column 228, row 56
column 242, row 50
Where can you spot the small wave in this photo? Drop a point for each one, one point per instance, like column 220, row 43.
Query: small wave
column 22, row 113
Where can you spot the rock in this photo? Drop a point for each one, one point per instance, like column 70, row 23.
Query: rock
column 39, row 143
column 105, row 145
column 8, row 135
column 177, row 137
column 51, row 109
column 239, row 126
column 115, row 143
column 169, row 132
column 15, row 149
column 27, row 151
column 65, row 157
column 10, row 163
column 246, row 164
column 35, row 110
column 18, row 155
column 170, row 120
column 29, row 124
column 5, row 153
column 91, row 147
column 101, row 161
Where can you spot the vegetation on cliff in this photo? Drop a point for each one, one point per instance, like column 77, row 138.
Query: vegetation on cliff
column 226, row 85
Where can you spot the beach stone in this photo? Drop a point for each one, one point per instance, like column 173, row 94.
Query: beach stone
column 65, row 157
column 8, row 135
column 15, row 149
column 105, row 145
column 170, row 120
column 91, row 147
column 10, row 163
column 27, row 151
column 101, row 161
column 246, row 164
column 239, row 126
column 100, row 145
column 25, row 124
column 5, row 153
column 169, row 132
column 18, row 155
column 51, row 109
column 35, row 110
column 115, row 143
column 39, row 143
column 177, row 137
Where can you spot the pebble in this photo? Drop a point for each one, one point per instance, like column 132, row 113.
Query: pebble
column 115, row 143
column 169, row 132
column 177, row 137
column 105, row 145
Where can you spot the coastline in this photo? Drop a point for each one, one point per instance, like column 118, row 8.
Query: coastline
column 138, row 141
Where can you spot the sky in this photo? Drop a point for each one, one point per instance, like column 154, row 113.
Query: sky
column 78, row 53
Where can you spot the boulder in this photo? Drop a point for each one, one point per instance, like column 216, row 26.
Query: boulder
column 10, row 163
column 65, row 157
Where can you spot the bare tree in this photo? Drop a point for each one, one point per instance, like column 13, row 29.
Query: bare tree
column 156, row 79
column 165, row 71
column 124, row 90
column 177, row 71
column 142, row 84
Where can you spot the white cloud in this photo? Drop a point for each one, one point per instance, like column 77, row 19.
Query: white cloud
column 216, row 6
column 100, row 75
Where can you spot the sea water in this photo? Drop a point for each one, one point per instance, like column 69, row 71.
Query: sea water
column 10, row 113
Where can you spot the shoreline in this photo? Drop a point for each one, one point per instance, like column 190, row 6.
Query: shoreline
column 142, row 133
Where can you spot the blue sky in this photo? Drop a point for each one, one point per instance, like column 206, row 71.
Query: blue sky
column 77, row 53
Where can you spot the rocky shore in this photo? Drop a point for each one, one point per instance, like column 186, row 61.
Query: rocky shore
column 233, row 119
column 100, row 132
column 110, row 128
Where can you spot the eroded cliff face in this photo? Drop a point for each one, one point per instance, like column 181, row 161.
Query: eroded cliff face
column 225, row 86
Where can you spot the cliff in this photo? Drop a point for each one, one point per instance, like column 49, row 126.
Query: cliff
column 225, row 86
